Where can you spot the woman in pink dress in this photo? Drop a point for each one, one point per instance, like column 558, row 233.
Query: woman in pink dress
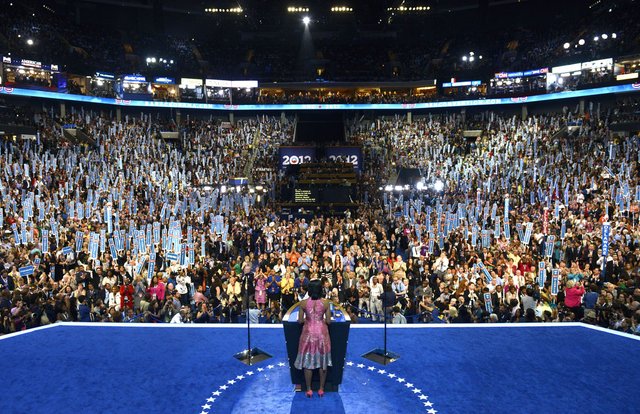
column 314, row 350
column 261, row 290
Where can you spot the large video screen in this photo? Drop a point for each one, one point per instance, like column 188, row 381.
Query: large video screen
column 352, row 155
column 292, row 156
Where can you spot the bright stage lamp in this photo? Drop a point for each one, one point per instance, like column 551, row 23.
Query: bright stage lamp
column 438, row 186
column 306, row 20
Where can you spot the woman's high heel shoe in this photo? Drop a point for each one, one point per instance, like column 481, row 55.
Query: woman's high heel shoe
column 309, row 394
column 320, row 393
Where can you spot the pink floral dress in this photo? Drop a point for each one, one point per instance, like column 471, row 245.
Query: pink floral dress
column 261, row 291
column 314, row 350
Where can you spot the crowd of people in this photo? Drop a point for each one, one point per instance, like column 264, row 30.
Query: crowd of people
column 138, row 229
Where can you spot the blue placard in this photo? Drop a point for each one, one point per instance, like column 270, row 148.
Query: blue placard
column 487, row 302
column 606, row 231
column 26, row 270
column 555, row 281
column 542, row 273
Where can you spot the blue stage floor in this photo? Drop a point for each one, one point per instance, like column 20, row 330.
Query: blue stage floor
column 568, row 368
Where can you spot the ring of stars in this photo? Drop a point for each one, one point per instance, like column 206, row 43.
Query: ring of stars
column 424, row 399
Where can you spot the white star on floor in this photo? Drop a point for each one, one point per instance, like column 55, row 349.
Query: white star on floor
column 204, row 412
column 270, row 366
column 231, row 382
column 281, row 364
column 360, row 365
column 382, row 371
column 391, row 375
column 240, row 377
column 349, row 364
column 416, row 391
column 424, row 397
column 428, row 404
column 223, row 387
column 432, row 411
column 211, row 399
column 249, row 373
column 217, row 393
column 408, row 385
column 400, row 380
column 371, row 368
column 206, row 407
column 260, row 369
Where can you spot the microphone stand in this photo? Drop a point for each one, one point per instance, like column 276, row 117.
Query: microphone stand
column 250, row 356
column 382, row 356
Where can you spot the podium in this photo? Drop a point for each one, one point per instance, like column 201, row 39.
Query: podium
column 339, row 333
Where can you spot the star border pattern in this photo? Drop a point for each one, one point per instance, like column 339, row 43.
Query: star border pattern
column 208, row 406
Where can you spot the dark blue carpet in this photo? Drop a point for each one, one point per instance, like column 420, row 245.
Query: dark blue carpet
column 112, row 369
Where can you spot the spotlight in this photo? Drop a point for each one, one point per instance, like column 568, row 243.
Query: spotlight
column 471, row 58
column 420, row 185
column 306, row 20
column 438, row 185
column 388, row 188
column 581, row 42
column 566, row 45
column 613, row 35
column 30, row 42
column 464, row 58
column 596, row 38
column 605, row 36
column 398, row 188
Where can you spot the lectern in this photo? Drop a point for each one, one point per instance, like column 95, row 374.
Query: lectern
column 339, row 333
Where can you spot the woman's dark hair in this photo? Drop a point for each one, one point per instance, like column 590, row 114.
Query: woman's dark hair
column 315, row 289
